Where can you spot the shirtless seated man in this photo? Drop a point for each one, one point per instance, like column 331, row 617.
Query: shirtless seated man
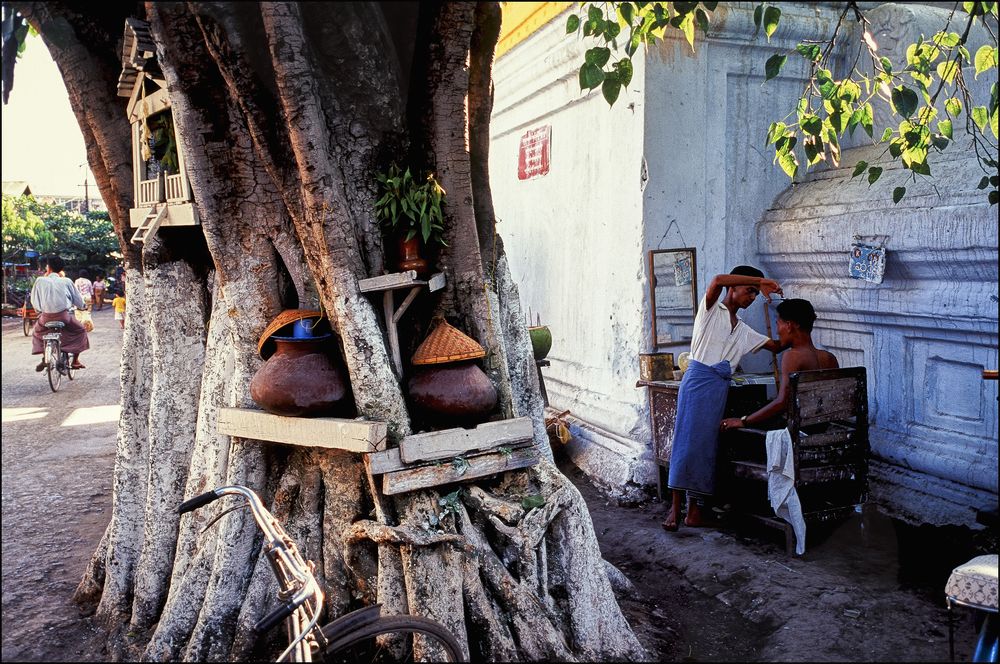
column 795, row 324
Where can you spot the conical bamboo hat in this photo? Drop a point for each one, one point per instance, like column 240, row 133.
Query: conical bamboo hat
column 286, row 317
column 447, row 344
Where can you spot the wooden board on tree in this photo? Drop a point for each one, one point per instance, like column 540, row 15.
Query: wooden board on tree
column 452, row 442
column 458, row 469
column 330, row 432
column 390, row 281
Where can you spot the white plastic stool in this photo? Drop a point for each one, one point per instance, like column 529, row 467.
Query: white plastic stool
column 974, row 585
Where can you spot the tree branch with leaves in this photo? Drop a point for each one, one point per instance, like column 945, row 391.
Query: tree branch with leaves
column 830, row 106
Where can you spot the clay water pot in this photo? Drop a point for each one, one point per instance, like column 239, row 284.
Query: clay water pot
column 299, row 380
column 541, row 341
column 410, row 259
column 453, row 394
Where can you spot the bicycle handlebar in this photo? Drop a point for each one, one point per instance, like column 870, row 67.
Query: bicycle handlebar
column 273, row 618
column 293, row 573
column 197, row 501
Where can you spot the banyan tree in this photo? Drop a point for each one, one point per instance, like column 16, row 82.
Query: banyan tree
column 284, row 113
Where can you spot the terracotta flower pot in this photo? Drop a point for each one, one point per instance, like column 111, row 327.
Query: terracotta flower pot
column 455, row 394
column 299, row 380
column 541, row 341
column 410, row 259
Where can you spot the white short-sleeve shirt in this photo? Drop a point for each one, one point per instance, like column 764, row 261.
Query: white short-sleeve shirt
column 714, row 339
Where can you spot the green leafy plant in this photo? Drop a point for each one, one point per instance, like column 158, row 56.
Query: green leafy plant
column 408, row 207
column 532, row 501
column 461, row 464
column 451, row 503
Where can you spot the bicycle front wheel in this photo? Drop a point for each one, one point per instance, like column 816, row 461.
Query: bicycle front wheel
column 395, row 639
column 68, row 364
column 55, row 376
column 26, row 326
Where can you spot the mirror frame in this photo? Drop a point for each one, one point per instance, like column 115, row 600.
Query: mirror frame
column 652, row 293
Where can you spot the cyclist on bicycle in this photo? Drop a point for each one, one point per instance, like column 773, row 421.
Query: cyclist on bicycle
column 52, row 296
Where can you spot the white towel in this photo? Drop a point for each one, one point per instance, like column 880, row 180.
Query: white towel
column 781, row 484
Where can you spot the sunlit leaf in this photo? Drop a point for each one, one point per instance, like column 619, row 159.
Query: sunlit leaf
column 775, row 131
column 773, row 66
column 986, row 58
column 811, row 124
column 809, row 51
column 980, row 116
column 953, row 106
column 944, row 126
column 947, row 71
column 789, row 164
column 772, row 16
column 687, row 27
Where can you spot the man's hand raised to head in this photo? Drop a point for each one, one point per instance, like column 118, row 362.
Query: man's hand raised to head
column 768, row 286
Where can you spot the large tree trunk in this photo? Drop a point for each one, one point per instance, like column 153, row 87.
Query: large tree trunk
column 285, row 112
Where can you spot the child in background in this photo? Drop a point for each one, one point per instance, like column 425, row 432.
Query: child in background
column 99, row 287
column 119, row 304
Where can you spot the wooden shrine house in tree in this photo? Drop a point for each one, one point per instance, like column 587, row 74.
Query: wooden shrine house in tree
column 162, row 192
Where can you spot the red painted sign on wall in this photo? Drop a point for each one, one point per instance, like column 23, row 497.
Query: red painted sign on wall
column 533, row 153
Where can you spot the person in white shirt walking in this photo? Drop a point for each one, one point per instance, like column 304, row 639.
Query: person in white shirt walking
column 52, row 296
column 86, row 288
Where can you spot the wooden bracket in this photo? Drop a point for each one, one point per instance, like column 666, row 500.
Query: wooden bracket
column 387, row 283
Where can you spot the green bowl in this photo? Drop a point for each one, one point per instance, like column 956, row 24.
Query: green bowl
column 541, row 341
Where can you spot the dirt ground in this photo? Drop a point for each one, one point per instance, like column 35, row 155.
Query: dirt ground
column 870, row 590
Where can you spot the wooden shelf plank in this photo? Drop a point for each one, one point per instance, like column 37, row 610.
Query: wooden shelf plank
column 390, row 281
column 451, row 442
column 330, row 432
column 387, row 461
column 423, row 477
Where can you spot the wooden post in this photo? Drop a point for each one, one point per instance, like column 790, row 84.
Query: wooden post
column 774, row 355
column 390, row 328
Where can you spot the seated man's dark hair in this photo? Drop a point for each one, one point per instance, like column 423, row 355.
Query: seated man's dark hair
column 797, row 311
column 55, row 263
column 747, row 271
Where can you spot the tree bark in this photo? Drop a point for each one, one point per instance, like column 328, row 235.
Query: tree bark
column 285, row 112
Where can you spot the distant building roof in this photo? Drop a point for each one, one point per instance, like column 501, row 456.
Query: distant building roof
column 16, row 188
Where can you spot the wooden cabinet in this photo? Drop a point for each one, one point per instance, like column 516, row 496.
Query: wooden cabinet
column 742, row 399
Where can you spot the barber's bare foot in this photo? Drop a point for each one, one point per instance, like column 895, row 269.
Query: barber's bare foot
column 670, row 523
column 694, row 518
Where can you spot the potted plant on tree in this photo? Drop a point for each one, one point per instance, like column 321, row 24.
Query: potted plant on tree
column 410, row 211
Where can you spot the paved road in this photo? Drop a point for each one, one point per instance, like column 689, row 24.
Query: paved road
column 58, row 456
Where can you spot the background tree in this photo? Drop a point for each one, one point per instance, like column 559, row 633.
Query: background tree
column 22, row 229
column 83, row 241
column 285, row 112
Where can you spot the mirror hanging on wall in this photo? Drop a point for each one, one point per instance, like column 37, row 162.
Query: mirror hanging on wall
column 673, row 293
